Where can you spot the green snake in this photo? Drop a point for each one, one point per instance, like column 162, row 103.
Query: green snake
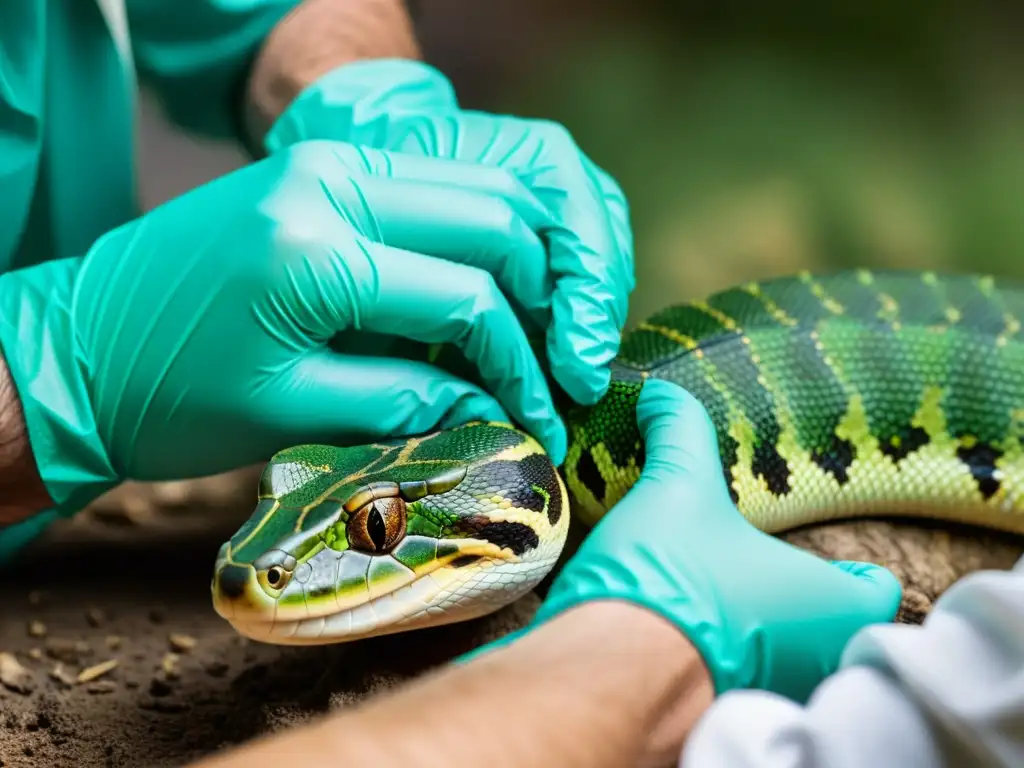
column 834, row 396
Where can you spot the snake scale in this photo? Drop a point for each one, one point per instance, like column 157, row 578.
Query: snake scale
column 833, row 396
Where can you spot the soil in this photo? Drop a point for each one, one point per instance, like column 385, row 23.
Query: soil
column 128, row 582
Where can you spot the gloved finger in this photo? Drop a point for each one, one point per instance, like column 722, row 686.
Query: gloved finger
column 881, row 588
column 680, row 442
column 593, row 276
column 433, row 301
column 590, row 300
column 618, row 214
column 329, row 397
column 461, row 225
column 438, row 171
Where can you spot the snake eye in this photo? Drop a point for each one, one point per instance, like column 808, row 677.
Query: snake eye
column 275, row 577
column 378, row 526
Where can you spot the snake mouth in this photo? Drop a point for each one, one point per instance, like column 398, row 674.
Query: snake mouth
column 385, row 597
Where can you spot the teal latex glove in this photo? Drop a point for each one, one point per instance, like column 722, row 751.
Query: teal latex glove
column 194, row 340
column 762, row 613
column 411, row 107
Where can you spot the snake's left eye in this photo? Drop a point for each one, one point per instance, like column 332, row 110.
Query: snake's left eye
column 378, row 526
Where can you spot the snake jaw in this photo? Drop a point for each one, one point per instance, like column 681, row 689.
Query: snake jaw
column 383, row 594
column 445, row 596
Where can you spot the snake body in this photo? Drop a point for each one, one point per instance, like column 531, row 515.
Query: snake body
column 833, row 396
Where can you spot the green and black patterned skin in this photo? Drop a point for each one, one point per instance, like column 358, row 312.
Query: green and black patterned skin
column 857, row 393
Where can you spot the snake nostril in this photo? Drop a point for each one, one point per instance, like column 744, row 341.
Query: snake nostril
column 233, row 580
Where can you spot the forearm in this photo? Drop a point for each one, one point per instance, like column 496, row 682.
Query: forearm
column 317, row 37
column 586, row 689
column 22, row 492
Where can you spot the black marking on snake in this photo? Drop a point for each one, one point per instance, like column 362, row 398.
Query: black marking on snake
column 769, row 464
column 554, row 503
column 837, row 460
column 537, row 470
column 517, row 537
column 590, row 475
column 981, row 460
column 233, row 580
column 908, row 440
column 739, row 373
column 463, row 560
column 815, row 395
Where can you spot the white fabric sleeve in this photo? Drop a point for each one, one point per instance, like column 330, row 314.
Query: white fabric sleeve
column 949, row 692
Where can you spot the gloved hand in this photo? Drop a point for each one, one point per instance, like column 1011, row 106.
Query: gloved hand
column 194, row 340
column 762, row 613
column 411, row 107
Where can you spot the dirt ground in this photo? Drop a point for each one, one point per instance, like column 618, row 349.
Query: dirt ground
column 126, row 586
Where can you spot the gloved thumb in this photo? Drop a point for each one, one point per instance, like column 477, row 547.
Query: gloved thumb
column 680, row 442
column 881, row 589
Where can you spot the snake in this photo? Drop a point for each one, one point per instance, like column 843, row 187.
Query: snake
column 855, row 393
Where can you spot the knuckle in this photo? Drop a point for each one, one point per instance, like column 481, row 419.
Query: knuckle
column 487, row 299
column 505, row 183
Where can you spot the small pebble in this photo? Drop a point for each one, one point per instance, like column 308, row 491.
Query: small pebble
column 59, row 674
column 131, row 684
column 182, row 643
column 95, row 617
column 169, row 665
column 35, row 654
column 14, row 676
column 101, row 687
column 113, row 642
column 36, row 629
column 89, row 674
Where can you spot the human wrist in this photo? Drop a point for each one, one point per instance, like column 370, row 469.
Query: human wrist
column 648, row 649
column 39, row 344
column 22, row 493
column 314, row 39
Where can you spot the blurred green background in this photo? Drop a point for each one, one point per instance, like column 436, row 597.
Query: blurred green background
column 758, row 139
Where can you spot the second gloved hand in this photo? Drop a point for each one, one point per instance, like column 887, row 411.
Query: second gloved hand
column 762, row 613
column 194, row 340
column 410, row 107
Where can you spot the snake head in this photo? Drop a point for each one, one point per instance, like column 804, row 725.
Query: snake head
column 347, row 543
